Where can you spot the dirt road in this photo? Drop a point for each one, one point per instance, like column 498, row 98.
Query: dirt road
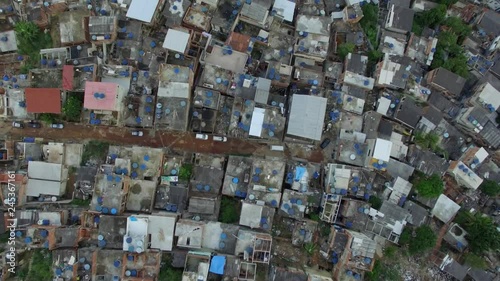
column 185, row 141
column 123, row 136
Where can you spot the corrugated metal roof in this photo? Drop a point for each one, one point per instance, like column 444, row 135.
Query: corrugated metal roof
column 307, row 115
column 491, row 134
column 68, row 73
column 101, row 25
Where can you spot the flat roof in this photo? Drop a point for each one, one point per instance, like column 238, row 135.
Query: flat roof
column 37, row 187
column 235, row 62
column 382, row 150
column 383, row 105
column 161, row 229
column 176, row 40
column 174, row 90
column 307, row 115
column 43, row 100
column 445, row 208
column 100, row 95
column 257, row 121
column 466, row 176
column 481, row 154
column 44, row 171
column 11, row 44
column 251, row 215
column 284, row 8
column 142, row 10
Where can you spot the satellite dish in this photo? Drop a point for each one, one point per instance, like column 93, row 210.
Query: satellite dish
column 53, row 199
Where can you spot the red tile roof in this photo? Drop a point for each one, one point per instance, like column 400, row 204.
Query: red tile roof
column 68, row 73
column 43, row 100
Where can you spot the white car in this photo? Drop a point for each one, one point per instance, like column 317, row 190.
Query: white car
column 137, row 133
column 220, row 138
column 57, row 126
column 202, row 136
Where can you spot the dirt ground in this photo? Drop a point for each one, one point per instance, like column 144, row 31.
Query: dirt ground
column 184, row 141
column 123, row 136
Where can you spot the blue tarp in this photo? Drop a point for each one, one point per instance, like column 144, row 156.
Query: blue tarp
column 217, row 265
column 299, row 172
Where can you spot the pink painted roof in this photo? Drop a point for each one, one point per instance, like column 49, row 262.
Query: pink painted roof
column 110, row 91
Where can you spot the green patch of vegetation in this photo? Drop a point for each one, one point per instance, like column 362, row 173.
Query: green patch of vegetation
column 344, row 49
column 383, row 272
column 390, row 252
column 375, row 202
column 41, row 266
column 423, row 239
column 167, row 272
column 490, row 188
column 48, row 118
column 229, row 210
column 369, row 22
column 30, row 40
column 80, row 202
column 427, row 140
column 429, row 187
column 430, row 18
column 449, row 54
column 185, row 172
column 457, row 26
column 72, row 108
column 324, row 229
column 94, row 150
column 475, row 261
column 314, row 217
column 374, row 56
column 482, row 232
column 405, row 236
column 310, row 248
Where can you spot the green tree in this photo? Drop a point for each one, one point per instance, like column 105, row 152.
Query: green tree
column 30, row 40
column 369, row 22
column 422, row 239
column 344, row 49
column 489, row 187
column 457, row 26
column 72, row 108
column 475, row 261
column 375, row 202
column 434, row 16
column 229, row 211
column 26, row 31
column 482, row 233
column 449, row 54
column 374, row 56
column 429, row 187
